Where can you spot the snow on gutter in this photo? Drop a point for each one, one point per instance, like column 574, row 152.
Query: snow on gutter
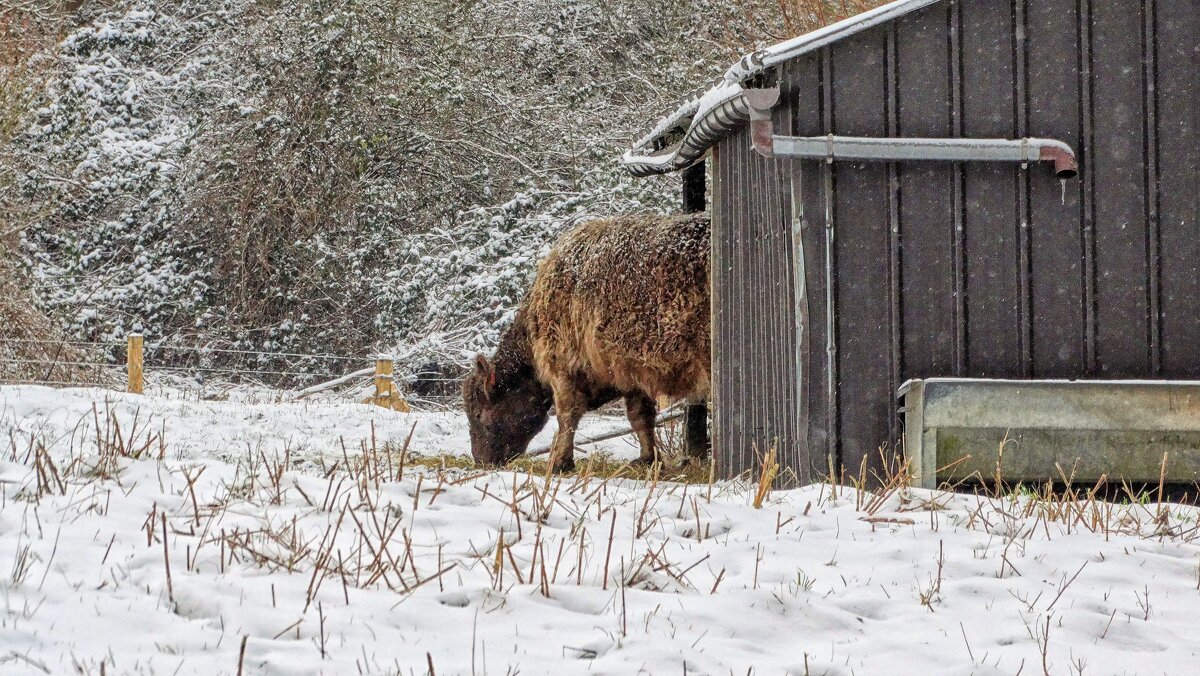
column 701, row 121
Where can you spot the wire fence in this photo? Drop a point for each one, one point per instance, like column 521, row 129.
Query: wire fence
column 210, row 370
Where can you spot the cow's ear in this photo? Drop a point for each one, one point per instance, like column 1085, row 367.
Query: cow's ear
column 489, row 374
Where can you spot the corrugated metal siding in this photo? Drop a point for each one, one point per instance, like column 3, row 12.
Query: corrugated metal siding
column 752, row 282
column 980, row 270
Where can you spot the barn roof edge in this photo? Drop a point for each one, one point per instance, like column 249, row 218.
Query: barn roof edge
column 682, row 138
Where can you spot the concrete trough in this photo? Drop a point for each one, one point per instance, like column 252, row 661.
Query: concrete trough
column 954, row 429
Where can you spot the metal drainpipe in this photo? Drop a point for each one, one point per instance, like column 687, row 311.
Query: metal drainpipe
column 762, row 129
column 831, row 148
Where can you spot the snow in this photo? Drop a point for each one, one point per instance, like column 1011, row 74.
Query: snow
column 360, row 572
column 249, row 421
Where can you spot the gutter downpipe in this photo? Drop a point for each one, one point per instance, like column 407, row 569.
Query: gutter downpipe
column 762, row 128
column 831, row 147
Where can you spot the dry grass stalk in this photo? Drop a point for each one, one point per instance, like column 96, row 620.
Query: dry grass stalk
column 167, row 561
column 770, row 468
column 608, row 554
column 242, row 655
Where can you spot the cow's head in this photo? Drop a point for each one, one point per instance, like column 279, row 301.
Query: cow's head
column 503, row 415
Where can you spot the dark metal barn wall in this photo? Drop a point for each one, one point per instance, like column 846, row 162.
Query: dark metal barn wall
column 756, row 406
column 971, row 269
column 1175, row 204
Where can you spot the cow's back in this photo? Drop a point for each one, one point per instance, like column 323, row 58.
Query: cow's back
column 624, row 302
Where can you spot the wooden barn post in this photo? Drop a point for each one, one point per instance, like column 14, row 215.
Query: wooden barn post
column 696, row 443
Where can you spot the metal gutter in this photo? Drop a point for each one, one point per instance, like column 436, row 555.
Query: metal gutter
column 703, row 120
column 718, row 111
column 897, row 149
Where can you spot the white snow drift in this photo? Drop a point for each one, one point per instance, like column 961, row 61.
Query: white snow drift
column 346, row 563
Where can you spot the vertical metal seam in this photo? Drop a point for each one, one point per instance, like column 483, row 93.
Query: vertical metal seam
column 1022, row 184
column 750, row 321
column 769, row 284
column 716, row 321
column 1150, row 176
column 800, row 297
column 730, row 357
column 720, row 291
column 723, row 395
column 754, row 307
column 800, row 444
column 746, row 322
column 781, row 225
column 784, row 331
column 752, row 188
column 1087, row 186
column 833, row 450
column 745, row 410
column 961, row 355
column 774, row 220
column 764, row 264
column 895, row 272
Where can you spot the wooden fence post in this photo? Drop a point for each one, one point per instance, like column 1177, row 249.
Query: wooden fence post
column 386, row 394
column 383, row 377
column 133, row 362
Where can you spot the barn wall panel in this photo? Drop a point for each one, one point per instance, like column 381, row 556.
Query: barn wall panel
column 935, row 269
column 1056, row 223
column 1118, row 165
column 859, row 81
column 754, row 378
column 1178, row 131
column 990, row 194
column 926, row 204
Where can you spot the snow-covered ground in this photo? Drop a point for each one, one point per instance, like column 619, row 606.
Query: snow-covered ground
column 249, row 421
column 354, row 570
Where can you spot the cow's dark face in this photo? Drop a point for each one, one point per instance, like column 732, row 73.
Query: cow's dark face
column 503, row 417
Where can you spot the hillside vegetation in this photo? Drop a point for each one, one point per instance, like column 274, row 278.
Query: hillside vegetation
column 333, row 175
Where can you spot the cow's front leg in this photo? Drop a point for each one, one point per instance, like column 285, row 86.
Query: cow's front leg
column 570, row 406
column 641, row 410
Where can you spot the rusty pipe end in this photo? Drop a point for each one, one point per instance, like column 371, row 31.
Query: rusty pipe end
column 1063, row 158
column 763, row 134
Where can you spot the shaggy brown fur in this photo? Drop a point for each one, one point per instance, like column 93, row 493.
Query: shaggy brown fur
column 620, row 308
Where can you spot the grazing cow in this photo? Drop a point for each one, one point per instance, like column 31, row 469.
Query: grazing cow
column 618, row 309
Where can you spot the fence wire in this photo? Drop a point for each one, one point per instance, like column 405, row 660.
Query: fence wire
column 206, row 368
column 49, row 383
column 85, row 343
column 223, row 350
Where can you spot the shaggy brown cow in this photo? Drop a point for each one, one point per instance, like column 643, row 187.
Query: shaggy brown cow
column 618, row 309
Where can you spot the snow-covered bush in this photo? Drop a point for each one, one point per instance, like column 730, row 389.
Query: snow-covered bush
column 342, row 175
column 102, row 156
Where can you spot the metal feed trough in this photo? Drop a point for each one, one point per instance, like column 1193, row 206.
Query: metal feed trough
column 1038, row 430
